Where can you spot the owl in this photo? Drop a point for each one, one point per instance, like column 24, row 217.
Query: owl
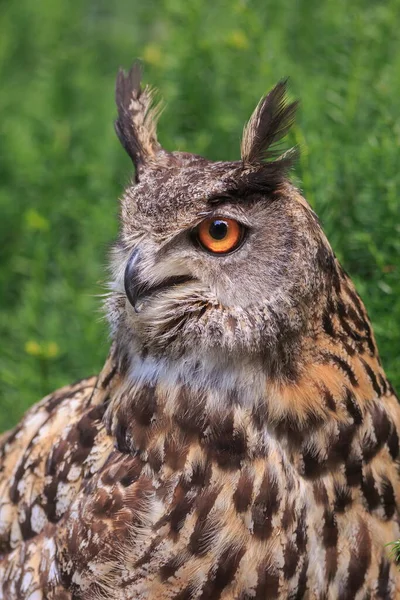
column 242, row 440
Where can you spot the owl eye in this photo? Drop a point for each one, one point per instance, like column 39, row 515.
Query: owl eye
column 219, row 235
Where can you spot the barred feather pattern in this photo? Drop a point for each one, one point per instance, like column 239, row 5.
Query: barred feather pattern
column 175, row 497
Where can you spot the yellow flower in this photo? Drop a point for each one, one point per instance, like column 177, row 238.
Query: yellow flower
column 152, row 54
column 36, row 221
column 52, row 350
column 45, row 351
column 33, row 348
column 238, row 39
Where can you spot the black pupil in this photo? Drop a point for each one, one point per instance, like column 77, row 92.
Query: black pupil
column 218, row 229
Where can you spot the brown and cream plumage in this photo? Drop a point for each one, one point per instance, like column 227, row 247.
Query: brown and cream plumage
column 242, row 439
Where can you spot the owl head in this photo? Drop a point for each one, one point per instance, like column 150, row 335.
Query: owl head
column 217, row 263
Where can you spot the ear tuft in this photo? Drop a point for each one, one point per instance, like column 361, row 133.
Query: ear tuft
column 269, row 123
column 137, row 116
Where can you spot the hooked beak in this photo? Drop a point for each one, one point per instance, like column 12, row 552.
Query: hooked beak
column 137, row 290
column 131, row 281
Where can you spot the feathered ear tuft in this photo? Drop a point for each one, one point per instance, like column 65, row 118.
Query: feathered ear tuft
column 137, row 116
column 269, row 123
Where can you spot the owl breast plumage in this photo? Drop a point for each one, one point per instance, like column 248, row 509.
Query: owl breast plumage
column 241, row 441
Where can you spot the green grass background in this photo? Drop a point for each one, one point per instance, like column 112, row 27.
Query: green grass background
column 62, row 169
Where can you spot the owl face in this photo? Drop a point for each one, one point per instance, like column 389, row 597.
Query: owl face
column 220, row 258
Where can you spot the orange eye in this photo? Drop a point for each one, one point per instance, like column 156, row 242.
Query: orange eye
column 219, row 235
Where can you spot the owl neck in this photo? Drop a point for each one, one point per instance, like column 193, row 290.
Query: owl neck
column 231, row 411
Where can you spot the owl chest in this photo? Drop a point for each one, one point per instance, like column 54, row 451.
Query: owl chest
column 241, row 533
column 254, row 532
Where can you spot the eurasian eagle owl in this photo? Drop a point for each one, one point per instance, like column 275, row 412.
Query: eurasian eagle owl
column 242, row 440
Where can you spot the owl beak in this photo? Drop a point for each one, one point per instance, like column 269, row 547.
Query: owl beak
column 138, row 290
column 131, row 279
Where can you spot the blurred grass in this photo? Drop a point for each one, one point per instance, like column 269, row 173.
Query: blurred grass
column 61, row 167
